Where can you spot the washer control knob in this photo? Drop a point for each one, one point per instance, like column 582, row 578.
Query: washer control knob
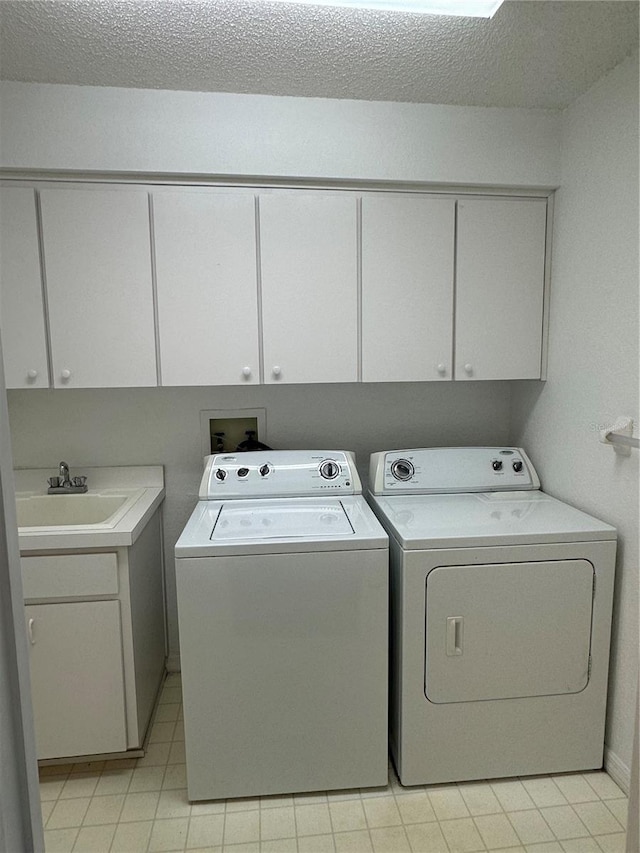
column 497, row 464
column 221, row 474
column 264, row 469
column 329, row 469
column 402, row 469
column 242, row 472
column 517, row 465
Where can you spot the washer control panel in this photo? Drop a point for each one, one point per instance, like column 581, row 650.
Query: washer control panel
column 441, row 470
column 279, row 473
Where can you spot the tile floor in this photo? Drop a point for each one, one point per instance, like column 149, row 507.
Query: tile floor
column 140, row 806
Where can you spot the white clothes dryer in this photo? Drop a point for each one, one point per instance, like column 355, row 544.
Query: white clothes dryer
column 501, row 601
column 282, row 586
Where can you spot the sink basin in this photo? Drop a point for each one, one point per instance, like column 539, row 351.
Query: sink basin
column 69, row 510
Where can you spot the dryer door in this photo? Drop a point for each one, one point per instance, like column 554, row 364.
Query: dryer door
column 508, row 630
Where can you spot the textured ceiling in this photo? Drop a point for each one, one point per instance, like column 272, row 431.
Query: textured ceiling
column 536, row 53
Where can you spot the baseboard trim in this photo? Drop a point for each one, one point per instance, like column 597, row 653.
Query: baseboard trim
column 173, row 663
column 617, row 769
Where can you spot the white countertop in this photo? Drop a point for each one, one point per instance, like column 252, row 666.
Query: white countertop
column 143, row 487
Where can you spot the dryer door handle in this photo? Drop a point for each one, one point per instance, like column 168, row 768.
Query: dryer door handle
column 455, row 635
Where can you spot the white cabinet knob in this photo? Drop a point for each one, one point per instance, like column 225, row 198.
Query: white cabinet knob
column 277, row 370
column 442, row 369
column 468, row 368
column 246, row 372
column 65, row 374
column 32, row 374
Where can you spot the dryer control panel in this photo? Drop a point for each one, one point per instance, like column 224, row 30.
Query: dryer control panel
column 442, row 470
column 279, row 473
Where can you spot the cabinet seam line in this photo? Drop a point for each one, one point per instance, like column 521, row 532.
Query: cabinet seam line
column 154, row 289
column 546, row 288
column 455, row 291
column 44, row 289
column 359, row 286
column 256, row 202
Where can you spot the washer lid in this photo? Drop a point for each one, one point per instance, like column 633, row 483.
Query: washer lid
column 280, row 526
column 484, row 519
column 275, row 519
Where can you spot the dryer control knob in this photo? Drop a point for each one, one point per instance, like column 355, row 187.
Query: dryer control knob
column 497, row 464
column 264, row 469
column 402, row 469
column 221, row 474
column 517, row 465
column 243, row 472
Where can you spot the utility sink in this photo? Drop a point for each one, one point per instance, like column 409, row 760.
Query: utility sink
column 73, row 510
column 112, row 514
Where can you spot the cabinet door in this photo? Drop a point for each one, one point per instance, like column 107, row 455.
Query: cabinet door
column 206, row 276
column 97, row 256
column 500, row 288
column 407, row 287
column 309, row 261
column 22, row 322
column 77, row 679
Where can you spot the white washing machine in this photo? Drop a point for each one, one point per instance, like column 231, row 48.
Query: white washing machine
column 282, row 584
column 501, row 602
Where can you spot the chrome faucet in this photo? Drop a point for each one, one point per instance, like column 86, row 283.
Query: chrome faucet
column 64, row 484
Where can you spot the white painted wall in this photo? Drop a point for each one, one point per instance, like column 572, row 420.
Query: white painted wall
column 151, row 426
column 593, row 354
column 84, row 128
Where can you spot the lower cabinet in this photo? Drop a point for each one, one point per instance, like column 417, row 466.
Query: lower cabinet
column 77, row 678
column 95, row 626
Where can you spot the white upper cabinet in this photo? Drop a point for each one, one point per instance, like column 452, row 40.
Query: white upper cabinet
column 22, row 322
column 97, row 256
column 273, row 286
column 407, row 287
column 309, row 271
column 500, row 266
column 206, row 277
